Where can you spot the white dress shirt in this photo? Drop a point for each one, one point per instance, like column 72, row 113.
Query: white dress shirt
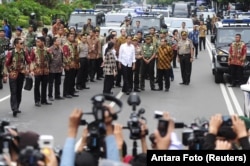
column 127, row 54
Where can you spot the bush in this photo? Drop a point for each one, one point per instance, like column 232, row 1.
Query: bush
column 46, row 20
column 22, row 23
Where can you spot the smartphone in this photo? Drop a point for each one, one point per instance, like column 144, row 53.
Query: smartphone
column 46, row 141
column 163, row 127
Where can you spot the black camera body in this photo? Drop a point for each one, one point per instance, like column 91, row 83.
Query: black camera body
column 30, row 156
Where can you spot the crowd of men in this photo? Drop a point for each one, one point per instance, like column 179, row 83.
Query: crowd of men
column 82, row 57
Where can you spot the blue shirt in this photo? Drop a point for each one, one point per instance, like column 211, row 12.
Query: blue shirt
column 7, row 31
column 194, row 36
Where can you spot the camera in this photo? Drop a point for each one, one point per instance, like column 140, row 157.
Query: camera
column 30, row 156
column 159, row 115
column 226, row 121
column 133, row 123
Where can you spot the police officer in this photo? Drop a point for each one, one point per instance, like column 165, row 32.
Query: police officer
column 4, row 44
column 185, row 55
column 16, row 61
column 40, row 58
column 148, row 62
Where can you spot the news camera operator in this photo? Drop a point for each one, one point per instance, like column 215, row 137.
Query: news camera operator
column 226, row 133
column 69, row 155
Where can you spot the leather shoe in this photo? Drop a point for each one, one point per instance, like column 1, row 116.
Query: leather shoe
column 68, row 96
column 59, row 98
column 182, row 83
column 74, row 95
column 46, row 103
column 79, row 88
column 232, row 85
column 19, row 111
column 86, row 88
column 137, row 90
column 166, row 90
column 15, row 113
column 153, row 89
column 92, row 81
column 37, row 104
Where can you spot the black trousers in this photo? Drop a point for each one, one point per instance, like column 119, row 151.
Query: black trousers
column 237, row 74
column 137, row 73
column 16, row 87
column 92, row 68
column 202, row 41
column 118, row 77
column 209, row 28
column 186, row 68
column 174, row 58
column 99, row 69
column 1, row 75
column 54, row 78
column 196, row 49
column 82, row 74
column 108, row 83
column 164, row 73
column 69, row 82
column 41, row 82
column 147, row 69
column 127, row 74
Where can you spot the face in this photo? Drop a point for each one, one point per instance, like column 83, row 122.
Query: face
column 39, row 43
column 139, row 35
column 184, row 37
column 129, row 39
column 58, row 21
column 97, row 33
column 72, row 30
column 89, row 21
column 137, row 23
column 18, row 33
column 237, row 38
column 84, row 39
column 2, row 34
column 57, row 42
column 61, row 31
column 148, row 40
column 162, row 35
column 152, row 31
column 20, row 44
column 123, row 32
column 183, row 24
column 163, row 43
column 134, row 42
column 71, row 38
column 30, row 29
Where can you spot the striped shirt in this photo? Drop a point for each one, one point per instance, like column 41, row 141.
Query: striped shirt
column 165, row 57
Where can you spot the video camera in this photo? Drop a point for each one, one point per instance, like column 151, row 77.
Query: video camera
column 134, row 124
column 97, row 128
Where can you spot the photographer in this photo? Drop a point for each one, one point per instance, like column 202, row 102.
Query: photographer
column 233, row 131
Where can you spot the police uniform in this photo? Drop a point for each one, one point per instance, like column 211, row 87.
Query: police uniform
column 148, row 51
column 4, row 44
column 40, row 58
column 185, row 54
column 138, row 54
column 100, row 58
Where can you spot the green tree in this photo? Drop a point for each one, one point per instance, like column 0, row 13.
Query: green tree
column 48, row 3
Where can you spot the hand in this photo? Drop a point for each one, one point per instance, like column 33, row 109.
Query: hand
column 74, row 122
column 119, row 66
column 5, row 79
column 191, row 59
column 118, row 135
column 83, row 140
column 133, row 67
column 223, row 145
column 32, row 73
column 215, row 123
column 163, row 143
column 239, row 126
column 144, row 128
column 50, row 158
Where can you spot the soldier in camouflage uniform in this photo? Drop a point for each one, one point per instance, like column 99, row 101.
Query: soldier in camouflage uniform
column 4, row 44
column 30, row 38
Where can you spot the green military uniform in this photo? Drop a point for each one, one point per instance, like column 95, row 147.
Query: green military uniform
column 4, row 44
column 30, row 40
column 148, row 51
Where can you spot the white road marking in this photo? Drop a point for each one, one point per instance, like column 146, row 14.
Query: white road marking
column 223, row 88
column 4, row 98
column 112, row 104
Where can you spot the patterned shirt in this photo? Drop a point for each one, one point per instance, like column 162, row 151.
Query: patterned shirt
column 237, row 53
column 56, row 63
column 165, row 57
column 109, row 63
column 194, row 36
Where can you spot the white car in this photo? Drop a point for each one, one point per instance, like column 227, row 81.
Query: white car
column 114, row 19
column 104, row 30
column 175, row 23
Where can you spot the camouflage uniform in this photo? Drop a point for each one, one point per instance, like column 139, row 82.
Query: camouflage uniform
column 30, row 40
column 4, row 44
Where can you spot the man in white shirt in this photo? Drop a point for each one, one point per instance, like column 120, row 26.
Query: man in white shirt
column 127, row 64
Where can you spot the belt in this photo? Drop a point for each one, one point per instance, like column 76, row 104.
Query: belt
column 184, row 54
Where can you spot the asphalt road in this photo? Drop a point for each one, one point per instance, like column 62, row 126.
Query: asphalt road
column 201, row 99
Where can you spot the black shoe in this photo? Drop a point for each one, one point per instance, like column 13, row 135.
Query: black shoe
column 86, row 87
column 118, row 85
column 79, row 88
column 74, row 95
column 59, row 98
column 68, row 96
column 51, row 99
column 232, row 85
column 92, row 80
column 182, row 83
column 99, row 79
column 166, row 90
column 46, row 103
column 19, row 111
column 15, row 113
column 37, row 104
column 160, row 89
column 137, row 90
column 153, row 89
column 187, row 83
column 172, row 78
column 76, row 91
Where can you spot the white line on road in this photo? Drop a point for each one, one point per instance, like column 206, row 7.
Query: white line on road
column 224, row 92
column 4, row 98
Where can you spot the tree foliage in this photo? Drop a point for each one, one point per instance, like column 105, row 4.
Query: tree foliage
column 18, row 12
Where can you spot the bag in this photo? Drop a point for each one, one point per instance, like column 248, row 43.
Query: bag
column 28, row 83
